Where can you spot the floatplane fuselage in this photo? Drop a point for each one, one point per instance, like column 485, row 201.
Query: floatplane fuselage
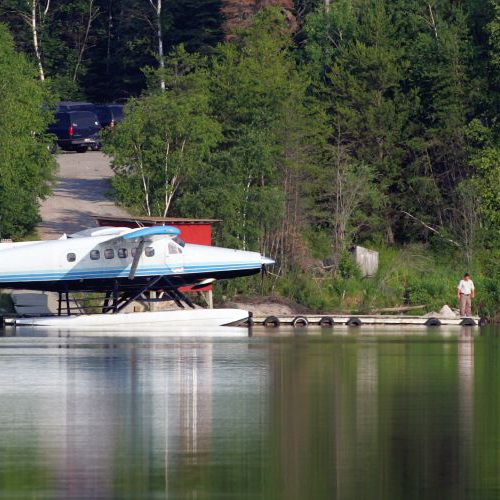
column 121, row 260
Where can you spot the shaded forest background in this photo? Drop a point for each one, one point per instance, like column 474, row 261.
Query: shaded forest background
column 306, row 126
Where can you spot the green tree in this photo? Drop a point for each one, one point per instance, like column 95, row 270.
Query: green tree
column 360, row 70
column 166, row 137
column 26, row 166
column 438, row 50
column 485, row 160
column 258, row 97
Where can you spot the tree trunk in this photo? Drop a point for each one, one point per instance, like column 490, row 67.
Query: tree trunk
column 159, row 34
column 108, row 43
column 35, row 39
column 84, row 43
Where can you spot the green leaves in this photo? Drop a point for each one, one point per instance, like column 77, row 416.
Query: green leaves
column 165, row 138
column 26, row 166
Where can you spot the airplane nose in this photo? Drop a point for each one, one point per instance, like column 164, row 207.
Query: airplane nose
column 266, row 261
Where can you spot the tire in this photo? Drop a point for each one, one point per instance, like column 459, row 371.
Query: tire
column 326, row 321
column 354, row 322
column 433, row 322
column 96, row 146
column 272, row 321
column 467, row 322
column 53, row 148
column 300, row 322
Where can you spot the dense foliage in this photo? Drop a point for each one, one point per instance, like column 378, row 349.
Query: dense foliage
column 306, row 127
column 25, row 163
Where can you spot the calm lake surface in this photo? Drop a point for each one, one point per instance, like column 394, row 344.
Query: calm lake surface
column 332, row 415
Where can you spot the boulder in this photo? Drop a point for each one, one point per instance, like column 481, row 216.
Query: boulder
column 446, row 312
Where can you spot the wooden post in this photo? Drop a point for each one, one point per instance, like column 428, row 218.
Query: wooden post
column 208, row 298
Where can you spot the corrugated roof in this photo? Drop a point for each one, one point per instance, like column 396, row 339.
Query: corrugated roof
column 144, row 219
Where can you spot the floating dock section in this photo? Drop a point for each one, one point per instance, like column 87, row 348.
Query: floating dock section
column 303, row 321
column 232, row 316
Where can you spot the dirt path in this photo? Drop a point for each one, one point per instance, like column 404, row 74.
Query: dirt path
column 81, row 190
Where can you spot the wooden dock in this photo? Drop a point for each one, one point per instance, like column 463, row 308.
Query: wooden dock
column 336, row 320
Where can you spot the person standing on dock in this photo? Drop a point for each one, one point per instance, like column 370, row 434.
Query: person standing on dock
column 465, row 295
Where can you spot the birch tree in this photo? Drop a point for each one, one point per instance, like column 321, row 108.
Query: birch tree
column 34, row 13
column 165, row 138
column 157, row 5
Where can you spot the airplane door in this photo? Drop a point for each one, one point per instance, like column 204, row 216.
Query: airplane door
column 174, row 257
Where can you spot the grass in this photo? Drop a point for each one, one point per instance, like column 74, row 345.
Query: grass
column 410, row 275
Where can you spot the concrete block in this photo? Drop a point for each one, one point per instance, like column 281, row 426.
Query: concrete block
column 367, row 260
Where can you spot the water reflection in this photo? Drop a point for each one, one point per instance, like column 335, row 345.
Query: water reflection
column 326, row 416
column 465, row 402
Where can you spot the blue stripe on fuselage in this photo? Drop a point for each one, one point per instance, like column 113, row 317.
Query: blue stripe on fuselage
column 123, row 272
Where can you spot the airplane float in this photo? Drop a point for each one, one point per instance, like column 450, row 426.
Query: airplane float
column 125, row 264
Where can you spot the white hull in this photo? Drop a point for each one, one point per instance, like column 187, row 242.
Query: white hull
column 197, row 318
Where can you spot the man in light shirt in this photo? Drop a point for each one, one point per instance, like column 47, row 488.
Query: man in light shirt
column 465, row 295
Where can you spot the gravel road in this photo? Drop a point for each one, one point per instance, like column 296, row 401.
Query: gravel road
column 82, row 189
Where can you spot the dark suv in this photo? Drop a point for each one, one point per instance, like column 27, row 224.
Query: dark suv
column 76, row 130
column 109, row 114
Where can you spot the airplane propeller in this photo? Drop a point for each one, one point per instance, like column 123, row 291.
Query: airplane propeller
column 137, row 256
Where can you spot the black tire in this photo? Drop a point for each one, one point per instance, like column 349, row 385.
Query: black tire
column 96, row 146
column 81, row 149
column 433, row 322
column 300, row 322
column 326, row 321
column 354, row 322
column 53, row 148
column 467, row 322
column 272, row 321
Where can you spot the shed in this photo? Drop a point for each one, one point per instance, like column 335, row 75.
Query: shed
column 366, row 259
column 198, row 231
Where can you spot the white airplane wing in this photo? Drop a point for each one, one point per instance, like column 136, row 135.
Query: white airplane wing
column 142, row 235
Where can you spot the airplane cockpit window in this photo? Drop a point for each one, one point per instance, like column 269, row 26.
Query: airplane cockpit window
column 122, row 253
column 179, row 241
column 173, row 249
column 71, row 257
column 149, row 251
column 109, row 253
column 95, row 254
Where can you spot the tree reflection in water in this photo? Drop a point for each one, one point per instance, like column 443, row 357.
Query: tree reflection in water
column 300, row 416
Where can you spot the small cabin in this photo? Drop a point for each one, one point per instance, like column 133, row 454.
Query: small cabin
column 196, row 231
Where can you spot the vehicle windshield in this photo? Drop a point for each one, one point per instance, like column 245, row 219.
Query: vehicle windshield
column 179, row 241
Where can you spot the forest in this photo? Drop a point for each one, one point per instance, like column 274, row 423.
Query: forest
column 306, row 127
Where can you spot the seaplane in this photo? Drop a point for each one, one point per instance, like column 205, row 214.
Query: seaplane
column 125, row 265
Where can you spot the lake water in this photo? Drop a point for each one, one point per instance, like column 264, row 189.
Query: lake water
column 332, row 415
